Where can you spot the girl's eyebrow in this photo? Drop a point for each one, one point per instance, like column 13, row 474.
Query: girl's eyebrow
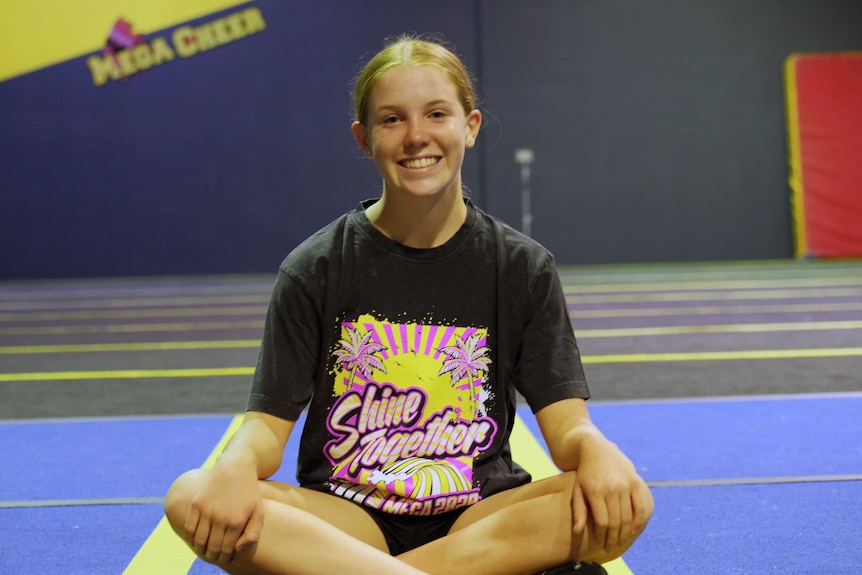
column 440, row 102
column 433, row 103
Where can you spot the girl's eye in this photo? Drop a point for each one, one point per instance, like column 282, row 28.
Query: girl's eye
column 390, row 119
column 438, row 114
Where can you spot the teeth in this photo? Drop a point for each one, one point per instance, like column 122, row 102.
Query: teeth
column 419, row 163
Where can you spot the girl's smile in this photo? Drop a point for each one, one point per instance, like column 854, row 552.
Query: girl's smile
column 418, row 163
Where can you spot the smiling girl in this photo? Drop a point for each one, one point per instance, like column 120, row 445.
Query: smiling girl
column 404, row 329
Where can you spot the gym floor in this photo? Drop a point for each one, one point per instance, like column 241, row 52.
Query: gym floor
column 735, row 388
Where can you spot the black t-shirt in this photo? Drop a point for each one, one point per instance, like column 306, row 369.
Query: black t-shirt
column 407, row 360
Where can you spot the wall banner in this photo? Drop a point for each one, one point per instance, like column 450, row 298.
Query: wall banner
column 127, row 53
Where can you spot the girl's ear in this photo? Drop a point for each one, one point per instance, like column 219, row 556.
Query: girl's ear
column 474, row 122
column 360, row 133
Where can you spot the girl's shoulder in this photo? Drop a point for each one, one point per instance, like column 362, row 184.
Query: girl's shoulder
column 515, row 247
column 313, row 253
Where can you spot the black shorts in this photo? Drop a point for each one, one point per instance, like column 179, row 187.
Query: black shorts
column 406, row 532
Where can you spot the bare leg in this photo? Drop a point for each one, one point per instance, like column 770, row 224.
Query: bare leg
column 295, row 541
column 304, row 532
column 520, row 531
column 516, row 532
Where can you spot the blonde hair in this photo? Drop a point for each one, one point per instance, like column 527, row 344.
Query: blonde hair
column 413, row 50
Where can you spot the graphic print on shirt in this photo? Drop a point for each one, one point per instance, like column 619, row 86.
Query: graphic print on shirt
column 410, row 415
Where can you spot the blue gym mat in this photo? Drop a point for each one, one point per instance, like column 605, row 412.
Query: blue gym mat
column 763, row 485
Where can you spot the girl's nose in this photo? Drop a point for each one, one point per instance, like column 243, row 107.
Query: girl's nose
column 416, row 133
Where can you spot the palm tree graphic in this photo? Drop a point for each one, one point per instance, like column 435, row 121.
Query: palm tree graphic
column 357, row 354
column 466, row 361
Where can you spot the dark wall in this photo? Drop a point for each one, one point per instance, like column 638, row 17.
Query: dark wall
column 658, row 133
column 658, row 127
column 219, row 163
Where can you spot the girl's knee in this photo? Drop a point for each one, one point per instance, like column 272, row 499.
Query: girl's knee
column 179, row 496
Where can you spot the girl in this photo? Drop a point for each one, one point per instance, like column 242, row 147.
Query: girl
column 404, row 329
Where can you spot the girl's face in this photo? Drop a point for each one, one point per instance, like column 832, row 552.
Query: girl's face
column 416, row 131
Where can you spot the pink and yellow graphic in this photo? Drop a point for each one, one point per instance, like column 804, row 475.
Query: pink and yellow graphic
column 410, row 415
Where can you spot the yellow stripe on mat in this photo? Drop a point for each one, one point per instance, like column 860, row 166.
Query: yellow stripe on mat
column 724, row 355
column 609, row 358
column 723, row 295
column 133, row 328
column 533, row 457
column 126, row 374
column 715, row 328
column 582, row 334
column 163, row 552
column 131, row 346
column 572, row 288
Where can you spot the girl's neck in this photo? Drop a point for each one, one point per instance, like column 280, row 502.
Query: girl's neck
column 418, row 222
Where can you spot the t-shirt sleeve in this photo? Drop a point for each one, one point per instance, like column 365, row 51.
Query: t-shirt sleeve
column 289, row 353
column 548, row 368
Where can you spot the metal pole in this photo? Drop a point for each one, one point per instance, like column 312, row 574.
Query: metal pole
column 524, row 156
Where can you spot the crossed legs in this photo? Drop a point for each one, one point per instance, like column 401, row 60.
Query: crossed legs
column 520, row 531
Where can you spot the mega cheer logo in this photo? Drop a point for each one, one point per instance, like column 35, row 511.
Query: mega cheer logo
column 127, row 53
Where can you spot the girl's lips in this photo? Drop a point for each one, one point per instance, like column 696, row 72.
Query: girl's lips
column 416, row 163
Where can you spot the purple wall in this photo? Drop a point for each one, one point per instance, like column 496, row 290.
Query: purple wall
column 658, row 133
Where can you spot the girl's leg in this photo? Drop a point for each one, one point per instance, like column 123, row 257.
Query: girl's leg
column 520, row 531
column 304, row 532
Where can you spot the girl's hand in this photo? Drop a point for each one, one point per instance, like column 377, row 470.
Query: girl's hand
column 225, row 515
